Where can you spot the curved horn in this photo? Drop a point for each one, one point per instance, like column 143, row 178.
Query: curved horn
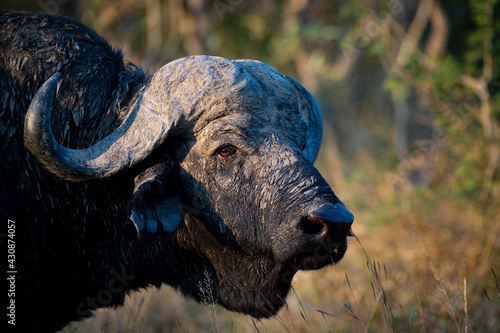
column 169, row 103
column 109, row 156
column 311, row 114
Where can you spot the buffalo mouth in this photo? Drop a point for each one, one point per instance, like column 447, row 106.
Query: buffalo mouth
column 326, row 253
column 265, row 298
column 256, row 285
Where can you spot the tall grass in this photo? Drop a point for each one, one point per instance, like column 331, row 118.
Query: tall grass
column 427, row 269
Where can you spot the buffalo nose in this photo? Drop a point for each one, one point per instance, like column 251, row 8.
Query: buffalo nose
column 329, row 219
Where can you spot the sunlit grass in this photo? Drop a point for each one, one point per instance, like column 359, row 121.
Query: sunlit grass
column 427, row 269
column 420, row 262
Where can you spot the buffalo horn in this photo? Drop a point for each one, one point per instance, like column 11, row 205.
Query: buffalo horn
column 116, row 152
column 311, row 114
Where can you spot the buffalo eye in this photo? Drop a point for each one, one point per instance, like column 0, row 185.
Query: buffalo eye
column 226, row 154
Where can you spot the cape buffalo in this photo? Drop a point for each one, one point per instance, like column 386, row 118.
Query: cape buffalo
column 113, row 180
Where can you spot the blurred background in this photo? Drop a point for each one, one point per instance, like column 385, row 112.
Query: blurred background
column 409, row 91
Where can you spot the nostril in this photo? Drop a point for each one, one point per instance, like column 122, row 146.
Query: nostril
column 336, row 214
column 327, row 220
column 313, row 227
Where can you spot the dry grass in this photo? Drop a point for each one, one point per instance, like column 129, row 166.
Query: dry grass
column 419, row 263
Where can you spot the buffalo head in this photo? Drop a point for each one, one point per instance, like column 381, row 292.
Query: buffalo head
column 223, row 153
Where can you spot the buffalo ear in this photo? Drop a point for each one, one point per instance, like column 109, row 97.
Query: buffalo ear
column 155, row 205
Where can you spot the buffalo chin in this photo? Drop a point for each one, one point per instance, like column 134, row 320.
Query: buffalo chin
column 261, row 300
